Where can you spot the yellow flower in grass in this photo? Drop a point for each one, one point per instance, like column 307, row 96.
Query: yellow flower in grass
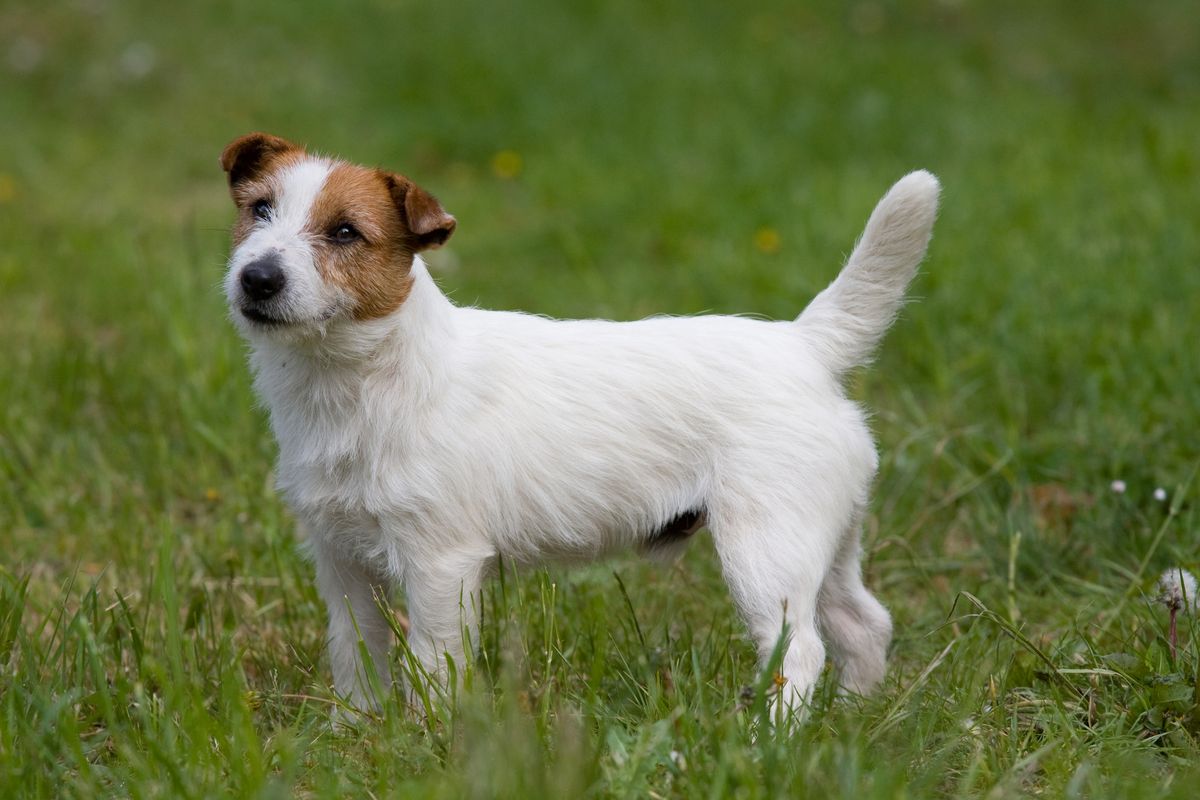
column 766, row 240
column 506, row 164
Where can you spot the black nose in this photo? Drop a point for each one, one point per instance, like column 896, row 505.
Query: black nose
column 263, row 278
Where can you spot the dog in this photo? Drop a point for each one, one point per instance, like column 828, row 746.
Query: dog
column 421, row 441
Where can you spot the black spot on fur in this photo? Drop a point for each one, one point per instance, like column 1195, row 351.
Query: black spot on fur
column 676, row 530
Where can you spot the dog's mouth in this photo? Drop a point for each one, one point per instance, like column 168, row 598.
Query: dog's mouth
column 265, row 320
column 260, row 318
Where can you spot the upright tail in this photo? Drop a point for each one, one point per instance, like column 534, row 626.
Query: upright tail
column 846, row 321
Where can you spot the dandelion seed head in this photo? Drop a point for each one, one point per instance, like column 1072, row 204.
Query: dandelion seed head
column 138, row 60
column 1160, row 494
column 25, row 55
column 1118, row 486
column 1177, row 589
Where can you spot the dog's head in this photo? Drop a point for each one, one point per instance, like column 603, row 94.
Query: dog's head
column 319, row 241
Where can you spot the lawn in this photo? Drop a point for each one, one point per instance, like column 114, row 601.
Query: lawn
column 160, row 634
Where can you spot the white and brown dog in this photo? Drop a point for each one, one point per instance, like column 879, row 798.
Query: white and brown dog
column 420, row 441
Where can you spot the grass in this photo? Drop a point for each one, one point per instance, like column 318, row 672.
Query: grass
column 159, row 632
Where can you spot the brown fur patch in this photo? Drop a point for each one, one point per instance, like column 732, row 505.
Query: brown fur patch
column 374, row 268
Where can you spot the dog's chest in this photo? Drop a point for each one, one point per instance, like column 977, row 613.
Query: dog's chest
column 337, row 450
column 349, row 496
column 342, row 464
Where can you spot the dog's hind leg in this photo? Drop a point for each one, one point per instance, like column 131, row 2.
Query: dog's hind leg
column 857, row 626
column 774, row 565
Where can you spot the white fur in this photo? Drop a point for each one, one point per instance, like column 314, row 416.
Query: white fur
column 420, row 447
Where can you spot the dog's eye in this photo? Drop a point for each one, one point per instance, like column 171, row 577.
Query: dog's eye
column 344, row 234
column 261, row 209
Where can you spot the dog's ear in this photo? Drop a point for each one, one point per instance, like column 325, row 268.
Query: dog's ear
column 428, row 223
column 245, row 156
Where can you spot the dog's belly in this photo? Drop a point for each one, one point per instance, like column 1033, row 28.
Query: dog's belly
column 677, row 530
column 570, row 500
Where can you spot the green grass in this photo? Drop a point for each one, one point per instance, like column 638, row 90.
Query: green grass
column 159, row 632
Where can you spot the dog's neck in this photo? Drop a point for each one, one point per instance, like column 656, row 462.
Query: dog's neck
column 314, row 389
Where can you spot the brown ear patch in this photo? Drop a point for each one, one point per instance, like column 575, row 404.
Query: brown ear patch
column 428, row 223
column 247, row 156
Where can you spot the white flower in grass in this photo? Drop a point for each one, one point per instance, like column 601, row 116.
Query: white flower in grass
column 1177, row 590
column 25, row 55
column 1118, row 486
column 138, row 60
column 1160, row 494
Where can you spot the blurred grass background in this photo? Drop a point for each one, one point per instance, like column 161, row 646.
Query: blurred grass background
column 159, row 634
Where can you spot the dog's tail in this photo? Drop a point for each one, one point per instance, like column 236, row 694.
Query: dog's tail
column 846, row 321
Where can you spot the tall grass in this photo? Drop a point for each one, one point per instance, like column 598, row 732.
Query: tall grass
column 159, row 631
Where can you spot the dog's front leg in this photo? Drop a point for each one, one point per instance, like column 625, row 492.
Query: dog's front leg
column 352, row 594
column 443, row 611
